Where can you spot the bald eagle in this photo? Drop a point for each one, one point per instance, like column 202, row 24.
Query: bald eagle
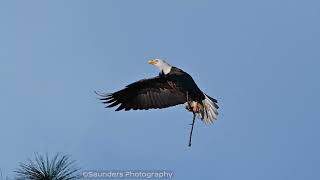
column 171, row 87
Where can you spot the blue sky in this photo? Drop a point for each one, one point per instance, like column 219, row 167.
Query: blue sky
column 260, row 59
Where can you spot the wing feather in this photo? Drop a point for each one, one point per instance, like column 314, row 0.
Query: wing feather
column 146, row 94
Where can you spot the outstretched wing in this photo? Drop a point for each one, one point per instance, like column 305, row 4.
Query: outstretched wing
column 154, row 93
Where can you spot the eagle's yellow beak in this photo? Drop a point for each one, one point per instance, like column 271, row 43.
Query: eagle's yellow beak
column 153, row 61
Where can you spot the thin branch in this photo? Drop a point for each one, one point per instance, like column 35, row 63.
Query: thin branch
column 193, row 121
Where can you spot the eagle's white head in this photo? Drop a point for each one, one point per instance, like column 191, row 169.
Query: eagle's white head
column 161, row 64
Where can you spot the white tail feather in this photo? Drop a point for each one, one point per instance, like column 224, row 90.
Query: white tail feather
column 210, row 111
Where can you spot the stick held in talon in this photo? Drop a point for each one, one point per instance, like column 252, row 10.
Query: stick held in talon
column 193, row 121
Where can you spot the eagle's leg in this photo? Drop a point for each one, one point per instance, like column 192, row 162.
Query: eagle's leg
column 189, row 107
column 193, row 106
column 193, row 121
column 188, row 104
